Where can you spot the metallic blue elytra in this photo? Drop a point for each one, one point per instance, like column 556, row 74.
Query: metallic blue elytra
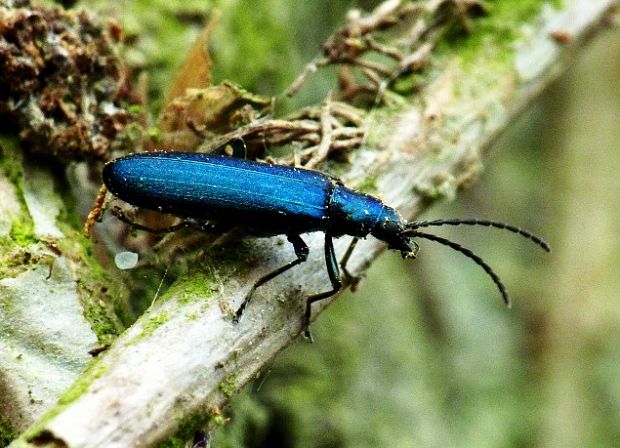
column 262, row 198
column 269, row 200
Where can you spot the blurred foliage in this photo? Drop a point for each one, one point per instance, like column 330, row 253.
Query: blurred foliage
column 159, row 33
column 425, row 354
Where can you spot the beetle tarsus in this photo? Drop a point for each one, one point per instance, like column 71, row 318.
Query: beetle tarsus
column 308, row 334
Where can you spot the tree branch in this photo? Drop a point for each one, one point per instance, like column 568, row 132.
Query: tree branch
column 184, row 358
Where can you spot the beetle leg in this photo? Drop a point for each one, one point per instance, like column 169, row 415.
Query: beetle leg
column 188, row 223
column 301, row 250
column 331, row 263
column 350, row 279
column 97, row 211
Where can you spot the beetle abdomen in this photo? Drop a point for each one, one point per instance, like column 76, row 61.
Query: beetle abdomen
column 268, row 199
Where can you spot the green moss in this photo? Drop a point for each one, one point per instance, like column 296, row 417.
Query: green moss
column 106, row 327
column 368, row 184
column 198, row 284
column 229, row 385
column 494, row 34
column 153, row 323
column 15, row 260
column 186, row 431
column 206, row 276
column 94, row 371
column 6, row 433
column 11, row 159
column 11, row 165
column 225, row 257
column 102, row 298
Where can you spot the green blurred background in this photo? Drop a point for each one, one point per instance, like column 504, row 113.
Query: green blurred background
column 425, row 354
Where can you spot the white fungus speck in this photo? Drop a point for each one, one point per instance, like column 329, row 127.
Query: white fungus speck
column 126, row 260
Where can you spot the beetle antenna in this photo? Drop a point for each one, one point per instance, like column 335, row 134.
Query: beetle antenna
column 482, row 222
column 469, row 254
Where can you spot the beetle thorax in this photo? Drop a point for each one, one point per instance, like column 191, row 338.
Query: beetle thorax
column 352, row 213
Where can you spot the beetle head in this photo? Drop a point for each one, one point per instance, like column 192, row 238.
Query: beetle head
column 391, row 229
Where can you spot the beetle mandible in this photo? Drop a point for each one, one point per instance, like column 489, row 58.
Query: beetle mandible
column 214, row 193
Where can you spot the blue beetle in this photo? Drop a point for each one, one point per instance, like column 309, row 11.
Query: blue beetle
column 214, row 193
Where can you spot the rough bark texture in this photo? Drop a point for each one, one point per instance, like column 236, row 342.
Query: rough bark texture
column 184, row 358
